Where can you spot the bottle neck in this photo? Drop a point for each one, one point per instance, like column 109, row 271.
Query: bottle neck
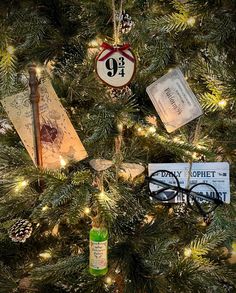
column 97, row 223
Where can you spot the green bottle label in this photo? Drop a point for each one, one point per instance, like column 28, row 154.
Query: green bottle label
column 98, row 255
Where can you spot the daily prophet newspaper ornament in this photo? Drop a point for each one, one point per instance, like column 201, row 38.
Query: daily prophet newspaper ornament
column 115, row 66
column 173, row 100
column 215, row 173
column 60, row 142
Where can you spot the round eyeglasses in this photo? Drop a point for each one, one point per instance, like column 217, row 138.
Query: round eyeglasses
column 202, row 198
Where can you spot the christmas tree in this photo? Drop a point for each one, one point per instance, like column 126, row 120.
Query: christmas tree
column 46, row 214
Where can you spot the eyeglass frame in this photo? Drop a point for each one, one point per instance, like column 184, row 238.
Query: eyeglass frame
column 183, row 191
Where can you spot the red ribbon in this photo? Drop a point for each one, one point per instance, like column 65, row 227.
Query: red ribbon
column 112, row 50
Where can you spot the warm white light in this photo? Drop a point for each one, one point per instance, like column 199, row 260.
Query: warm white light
column 87, row 211
column 222, row 103
column 120, row 126
column 45, row 255
column 21, row 185
column 108, row 280
column 38, row 71
column 24, row 183
column 152, row 129
column 194, row 155
column 187, row 252
column 148, row 219
column 203, row 223
column 93, row 46
column 191, row 21
column 62, row 162
column 45, row 208
column 200, row 147
column 93, row 43
column 10, row 50
column 176, row 139
column 102, row 195
column 234, row 246
column 141, row 131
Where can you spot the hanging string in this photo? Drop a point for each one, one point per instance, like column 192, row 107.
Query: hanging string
column 114, row 21
column 194, row 142
column 119, row 21
column 119, row 138
column 116, row 26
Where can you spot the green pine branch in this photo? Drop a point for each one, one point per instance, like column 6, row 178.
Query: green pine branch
column 7, row 281
column 8, row 62
column 60, row 270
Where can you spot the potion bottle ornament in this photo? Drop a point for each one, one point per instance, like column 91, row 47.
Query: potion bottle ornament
column 98, row 246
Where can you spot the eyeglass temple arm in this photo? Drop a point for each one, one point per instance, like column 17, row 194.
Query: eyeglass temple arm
column 163, row 184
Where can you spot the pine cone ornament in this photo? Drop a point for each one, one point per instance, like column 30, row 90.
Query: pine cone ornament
column 20, row 231
column 120, row 93
column 126, row 23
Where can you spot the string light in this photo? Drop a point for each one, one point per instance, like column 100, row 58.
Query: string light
column 152, row 129
column 234, row 246
column 93, row 43
column 87, row 211
column 200, row 147
column 148, row 219
column 109, row 280
column 194, row 156
column 93, row 46
column 10, row 50
column 55, row 230
column 141, row 131
column 222, row 103
column 45, row 255
column 45, row 208
column 24, row 183
column 102, row 195
column 191, row 21
column 202, row 223
column 62, row 162
column 187, row 252
column 38, row 71
column 120, row 127
column 21, row 185
column 176, row 139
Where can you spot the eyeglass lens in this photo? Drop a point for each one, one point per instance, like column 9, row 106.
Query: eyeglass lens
column 164, row 185
column 203, row 197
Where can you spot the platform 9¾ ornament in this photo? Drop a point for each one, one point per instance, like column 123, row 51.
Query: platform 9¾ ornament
column 116, row 65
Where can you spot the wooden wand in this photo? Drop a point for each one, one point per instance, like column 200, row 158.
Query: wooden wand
column 35, row 98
